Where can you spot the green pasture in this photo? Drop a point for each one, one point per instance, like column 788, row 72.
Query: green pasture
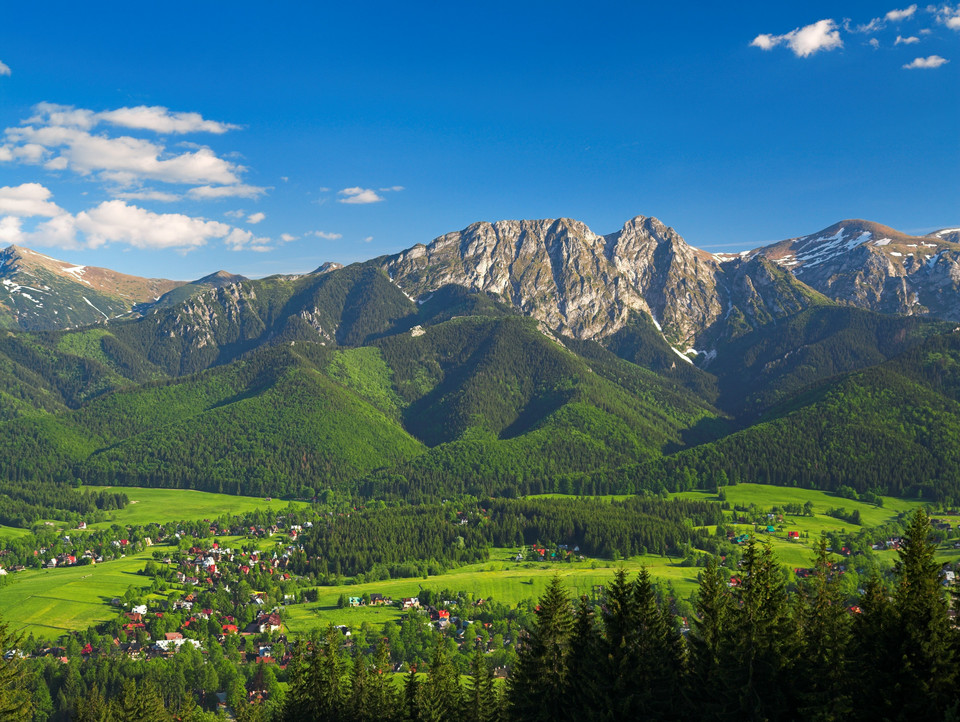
column 12, row 532
column 500, row 579
column 164, row 505
column 51, row 602
column 766, row 496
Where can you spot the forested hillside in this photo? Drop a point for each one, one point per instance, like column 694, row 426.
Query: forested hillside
column 338, row 380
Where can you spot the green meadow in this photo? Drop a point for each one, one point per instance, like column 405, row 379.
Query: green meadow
column 499, row 579
column 164, row 505
column 50, row 602
column 12, row 532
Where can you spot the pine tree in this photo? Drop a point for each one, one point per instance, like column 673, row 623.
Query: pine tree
column 382, row 699
column 536, row 686
column 824, row 637
column 481, row 703
column 360, row 690
column 927, row 673
column 873, row 654
column 709, row 633
column 584, row 679
column 92, row 707
column 440, row 695
column 411, row 696
column 763, row 639
column 14, row 700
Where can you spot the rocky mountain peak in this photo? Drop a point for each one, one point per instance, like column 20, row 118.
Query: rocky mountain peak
column 327, row 267
column 873, row 266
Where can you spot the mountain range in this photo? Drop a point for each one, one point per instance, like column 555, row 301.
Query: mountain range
column 574, row 281
column 507, row 358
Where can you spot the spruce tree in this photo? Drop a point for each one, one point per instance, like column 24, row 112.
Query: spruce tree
column 481, row 695
column 411, row 696
column 584, row 679
column 763, row 639
column 824, row 637
column 14, row 700
column 536, row 686
column 360, row 690
column 93, row 707
column 440, row 695
column 873, row 654
column 927, row 670
column 709, row 633
column 382, row 699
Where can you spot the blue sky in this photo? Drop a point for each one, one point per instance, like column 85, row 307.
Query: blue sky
column 176, row 139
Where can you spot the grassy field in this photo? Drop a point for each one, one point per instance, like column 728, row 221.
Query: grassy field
column 50, row 602
column 767, row 496
column 164, row 505
column 500, row 579
column 12, row 532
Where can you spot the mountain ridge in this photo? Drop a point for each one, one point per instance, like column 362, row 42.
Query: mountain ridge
column 575, row 282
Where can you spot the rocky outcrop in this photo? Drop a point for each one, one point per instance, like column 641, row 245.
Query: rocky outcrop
column 584, row 285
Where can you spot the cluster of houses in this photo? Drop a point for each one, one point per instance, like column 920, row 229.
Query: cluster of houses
column 538, row 553
column 204, row 567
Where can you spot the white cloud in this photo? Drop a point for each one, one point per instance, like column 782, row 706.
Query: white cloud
column 63, row 137
column 255, row 218
column 147, row 194
column 242, row 240
column 4, row 68
column 368, row 239
column 26, row 200
column 895, row 16
column 122, row 159
column 115, row 221
column 326, row 236
column 235, row 214
column 10, row 230
column 871, row 27
column 874, row 43
column 947, row 15
column 392, row 189
column 805, row 41
column 112, row 221
column 933, row 61
column 359, row 196
column 62, row 115
column 205, row 193
column 287, row 238
column 906, row 41
column 59, row 231
column 161, row 120
column 237, row 239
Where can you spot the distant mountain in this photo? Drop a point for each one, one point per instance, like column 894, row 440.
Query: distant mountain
column 872, row 266
column 40, row 293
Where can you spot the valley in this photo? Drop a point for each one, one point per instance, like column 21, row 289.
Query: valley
column 427, row 448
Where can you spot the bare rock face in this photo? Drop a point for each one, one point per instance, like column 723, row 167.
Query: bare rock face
column 584, row 285
column 872, row 266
